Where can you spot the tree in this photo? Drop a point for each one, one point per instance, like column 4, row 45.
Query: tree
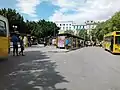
column 47, row 28
column 83, row 34
column 110, row 25
column 42, row 28
column 14, row 18
column 69, row 32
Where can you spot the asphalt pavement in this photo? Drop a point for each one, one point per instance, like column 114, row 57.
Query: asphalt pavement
column 45, row 68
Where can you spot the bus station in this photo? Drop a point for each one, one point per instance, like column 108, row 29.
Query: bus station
column 75, row 42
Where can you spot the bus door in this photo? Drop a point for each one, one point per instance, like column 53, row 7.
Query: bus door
column 112, row 43
column 117, row 43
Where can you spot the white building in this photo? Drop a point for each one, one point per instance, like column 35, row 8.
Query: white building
column 77, row 28
column 70, row 25
column 90, row 27
column 65, row 25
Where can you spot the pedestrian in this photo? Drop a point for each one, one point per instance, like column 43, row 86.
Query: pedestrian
column 44, row 43
column 66, row 43
column 21, row 46
column 15, row 41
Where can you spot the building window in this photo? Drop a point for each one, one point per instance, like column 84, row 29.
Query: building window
column 70, row 24
column 63, row 28
column 77, row 27
column 93, row 27
column 63, row 24
column 83, row 27
column 60, row 24
column 3, row 31
column 70, row 28
column 66, row 24
column 66, row 28
column 74, row 27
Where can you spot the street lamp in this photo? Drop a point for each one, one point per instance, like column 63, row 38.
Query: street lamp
column 14, row 27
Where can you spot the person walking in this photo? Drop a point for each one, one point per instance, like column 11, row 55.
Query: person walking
column 21, row 46
column 45, row 43
column 66, row 43
column 15, row 41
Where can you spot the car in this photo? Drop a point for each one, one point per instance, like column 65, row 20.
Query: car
column 89, row 43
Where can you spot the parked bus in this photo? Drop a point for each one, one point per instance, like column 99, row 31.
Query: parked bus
column 4, row 38
column 112, row 42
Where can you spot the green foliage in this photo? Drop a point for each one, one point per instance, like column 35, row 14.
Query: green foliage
column 110, row 25
column 83, row 34
column 69, row 31
column 41, row 28
column 14, row 18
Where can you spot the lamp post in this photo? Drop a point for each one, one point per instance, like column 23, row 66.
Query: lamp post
column 15, row 28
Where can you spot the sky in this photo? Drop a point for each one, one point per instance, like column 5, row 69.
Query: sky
column 78, row 11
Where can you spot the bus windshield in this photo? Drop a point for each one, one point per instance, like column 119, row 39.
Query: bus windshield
column 117, row 40
column 2, row 29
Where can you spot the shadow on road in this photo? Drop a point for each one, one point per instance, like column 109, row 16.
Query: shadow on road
column 35, row 71
column 112, row 53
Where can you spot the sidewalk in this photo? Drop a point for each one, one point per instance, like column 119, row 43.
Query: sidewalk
column 44, row 49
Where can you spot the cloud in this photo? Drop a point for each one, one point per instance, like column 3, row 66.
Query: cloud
column 28, row 6
column 85, row 10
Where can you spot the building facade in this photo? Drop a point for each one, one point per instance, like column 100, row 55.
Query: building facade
column 65, row 25
column 70, row 25
column 78, row 27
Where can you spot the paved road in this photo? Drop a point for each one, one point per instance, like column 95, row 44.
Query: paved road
column 89, row 68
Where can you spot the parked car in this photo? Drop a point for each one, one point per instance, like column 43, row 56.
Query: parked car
column 89, row 43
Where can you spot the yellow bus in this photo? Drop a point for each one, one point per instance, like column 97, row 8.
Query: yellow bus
column 4, row 38
column 112, row 42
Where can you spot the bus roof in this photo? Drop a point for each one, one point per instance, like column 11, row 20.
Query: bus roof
column 113, row 34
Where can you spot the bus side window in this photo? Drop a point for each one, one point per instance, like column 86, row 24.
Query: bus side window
column 3, row 31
